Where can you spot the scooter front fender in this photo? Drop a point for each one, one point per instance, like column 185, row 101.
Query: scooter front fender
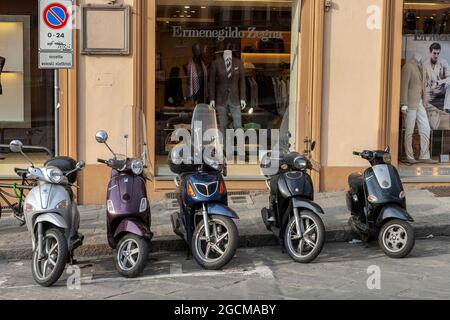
column 393, row 212
column 219, row 209
column 52, row 218
column 308, row 205
column 132, row 226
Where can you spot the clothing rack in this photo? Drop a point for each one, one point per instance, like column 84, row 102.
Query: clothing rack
column 268, row 89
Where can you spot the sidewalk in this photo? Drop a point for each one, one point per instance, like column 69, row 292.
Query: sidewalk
column 432, row 215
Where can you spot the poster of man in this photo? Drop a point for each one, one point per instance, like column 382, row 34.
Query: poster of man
column 435, row 68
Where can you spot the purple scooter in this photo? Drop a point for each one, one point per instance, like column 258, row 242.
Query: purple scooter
column 128, row 211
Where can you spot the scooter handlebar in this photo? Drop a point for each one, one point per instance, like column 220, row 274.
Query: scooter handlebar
column 356, row 153
column 102, row 161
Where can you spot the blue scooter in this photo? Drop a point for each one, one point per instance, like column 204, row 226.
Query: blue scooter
column 205, row 221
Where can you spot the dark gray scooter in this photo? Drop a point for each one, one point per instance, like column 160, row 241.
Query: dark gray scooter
column 377, row 203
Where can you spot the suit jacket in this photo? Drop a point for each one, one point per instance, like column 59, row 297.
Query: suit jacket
column 412, row 85
column 2, row 65
column 221, row 88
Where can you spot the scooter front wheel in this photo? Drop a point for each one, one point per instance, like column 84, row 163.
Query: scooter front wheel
column 131, row 255
column 397, row 238
column 216, row 252
column 48, row 268
column 305, row 246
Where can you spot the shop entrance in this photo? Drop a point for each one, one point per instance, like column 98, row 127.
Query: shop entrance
column 191, row 40
column 424, row 149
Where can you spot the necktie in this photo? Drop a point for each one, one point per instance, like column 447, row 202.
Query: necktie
column 228, row 65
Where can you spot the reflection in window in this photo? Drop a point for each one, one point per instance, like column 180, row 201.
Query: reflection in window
column 235, row 56
column 26, row 92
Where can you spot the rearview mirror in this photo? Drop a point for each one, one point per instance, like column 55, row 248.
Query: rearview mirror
column 81, row 164
column 313, row 146
column 16, row 146
column 101, row 136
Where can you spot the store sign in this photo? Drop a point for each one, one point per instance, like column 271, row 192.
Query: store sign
column 55, row 34
column 226, row 33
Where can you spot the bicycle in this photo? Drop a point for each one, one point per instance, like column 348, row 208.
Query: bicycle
column 18, row 193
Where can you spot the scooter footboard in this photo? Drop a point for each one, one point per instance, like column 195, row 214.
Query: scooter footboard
column 221, row 210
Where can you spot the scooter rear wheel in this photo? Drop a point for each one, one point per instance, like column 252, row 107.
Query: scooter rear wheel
column 221, row 248
column 397, row 238
column 47, row 270
column 131, row 256
column 306, row 248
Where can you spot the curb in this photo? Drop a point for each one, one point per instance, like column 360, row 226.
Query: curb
column 245, row 241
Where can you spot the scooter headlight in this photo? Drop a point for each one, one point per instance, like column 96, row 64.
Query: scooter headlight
column 137, row 166
column 55, row 175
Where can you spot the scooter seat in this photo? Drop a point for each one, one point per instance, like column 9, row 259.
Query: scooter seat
column 355, row 182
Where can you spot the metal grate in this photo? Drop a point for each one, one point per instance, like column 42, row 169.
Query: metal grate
column 440, row 192
column 171, row 195
column 240, row 200
column 239, row 193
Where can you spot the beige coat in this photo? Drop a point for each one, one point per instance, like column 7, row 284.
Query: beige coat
column 411, row 90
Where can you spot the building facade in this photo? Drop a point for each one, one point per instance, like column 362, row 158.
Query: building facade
column 335, row 65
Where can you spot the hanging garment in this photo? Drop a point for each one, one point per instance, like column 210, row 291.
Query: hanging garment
column 197, row 79
column 284, row 96
column 256, row 93
column 2, row 65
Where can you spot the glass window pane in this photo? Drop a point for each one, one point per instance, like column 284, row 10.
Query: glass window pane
column 192, row 39
column 27, row 93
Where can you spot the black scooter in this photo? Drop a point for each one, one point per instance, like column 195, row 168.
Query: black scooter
column 377, row 203
column 292, row 215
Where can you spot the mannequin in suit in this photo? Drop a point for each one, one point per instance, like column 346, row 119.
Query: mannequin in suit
column 2, row 65
column 197, row 76
column 227, row 90
column 414, row 110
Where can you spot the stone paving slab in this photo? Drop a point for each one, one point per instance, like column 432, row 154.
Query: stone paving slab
column 432, row 215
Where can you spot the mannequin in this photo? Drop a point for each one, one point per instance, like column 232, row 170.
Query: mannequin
column 197, row 76
column 2, row 65
column 414, row 111
column 227, row 90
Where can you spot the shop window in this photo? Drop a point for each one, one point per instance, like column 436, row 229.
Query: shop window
column 191, row 41
column 425, row 90
column 26, row 93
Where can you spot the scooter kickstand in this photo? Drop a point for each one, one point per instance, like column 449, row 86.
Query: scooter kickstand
column 188, row 255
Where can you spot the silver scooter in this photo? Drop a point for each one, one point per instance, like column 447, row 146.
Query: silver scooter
column 51, row 215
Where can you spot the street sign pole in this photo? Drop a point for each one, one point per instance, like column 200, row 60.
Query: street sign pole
column 56, row 46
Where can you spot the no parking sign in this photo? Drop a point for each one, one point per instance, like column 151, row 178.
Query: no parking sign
column 55, row 34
